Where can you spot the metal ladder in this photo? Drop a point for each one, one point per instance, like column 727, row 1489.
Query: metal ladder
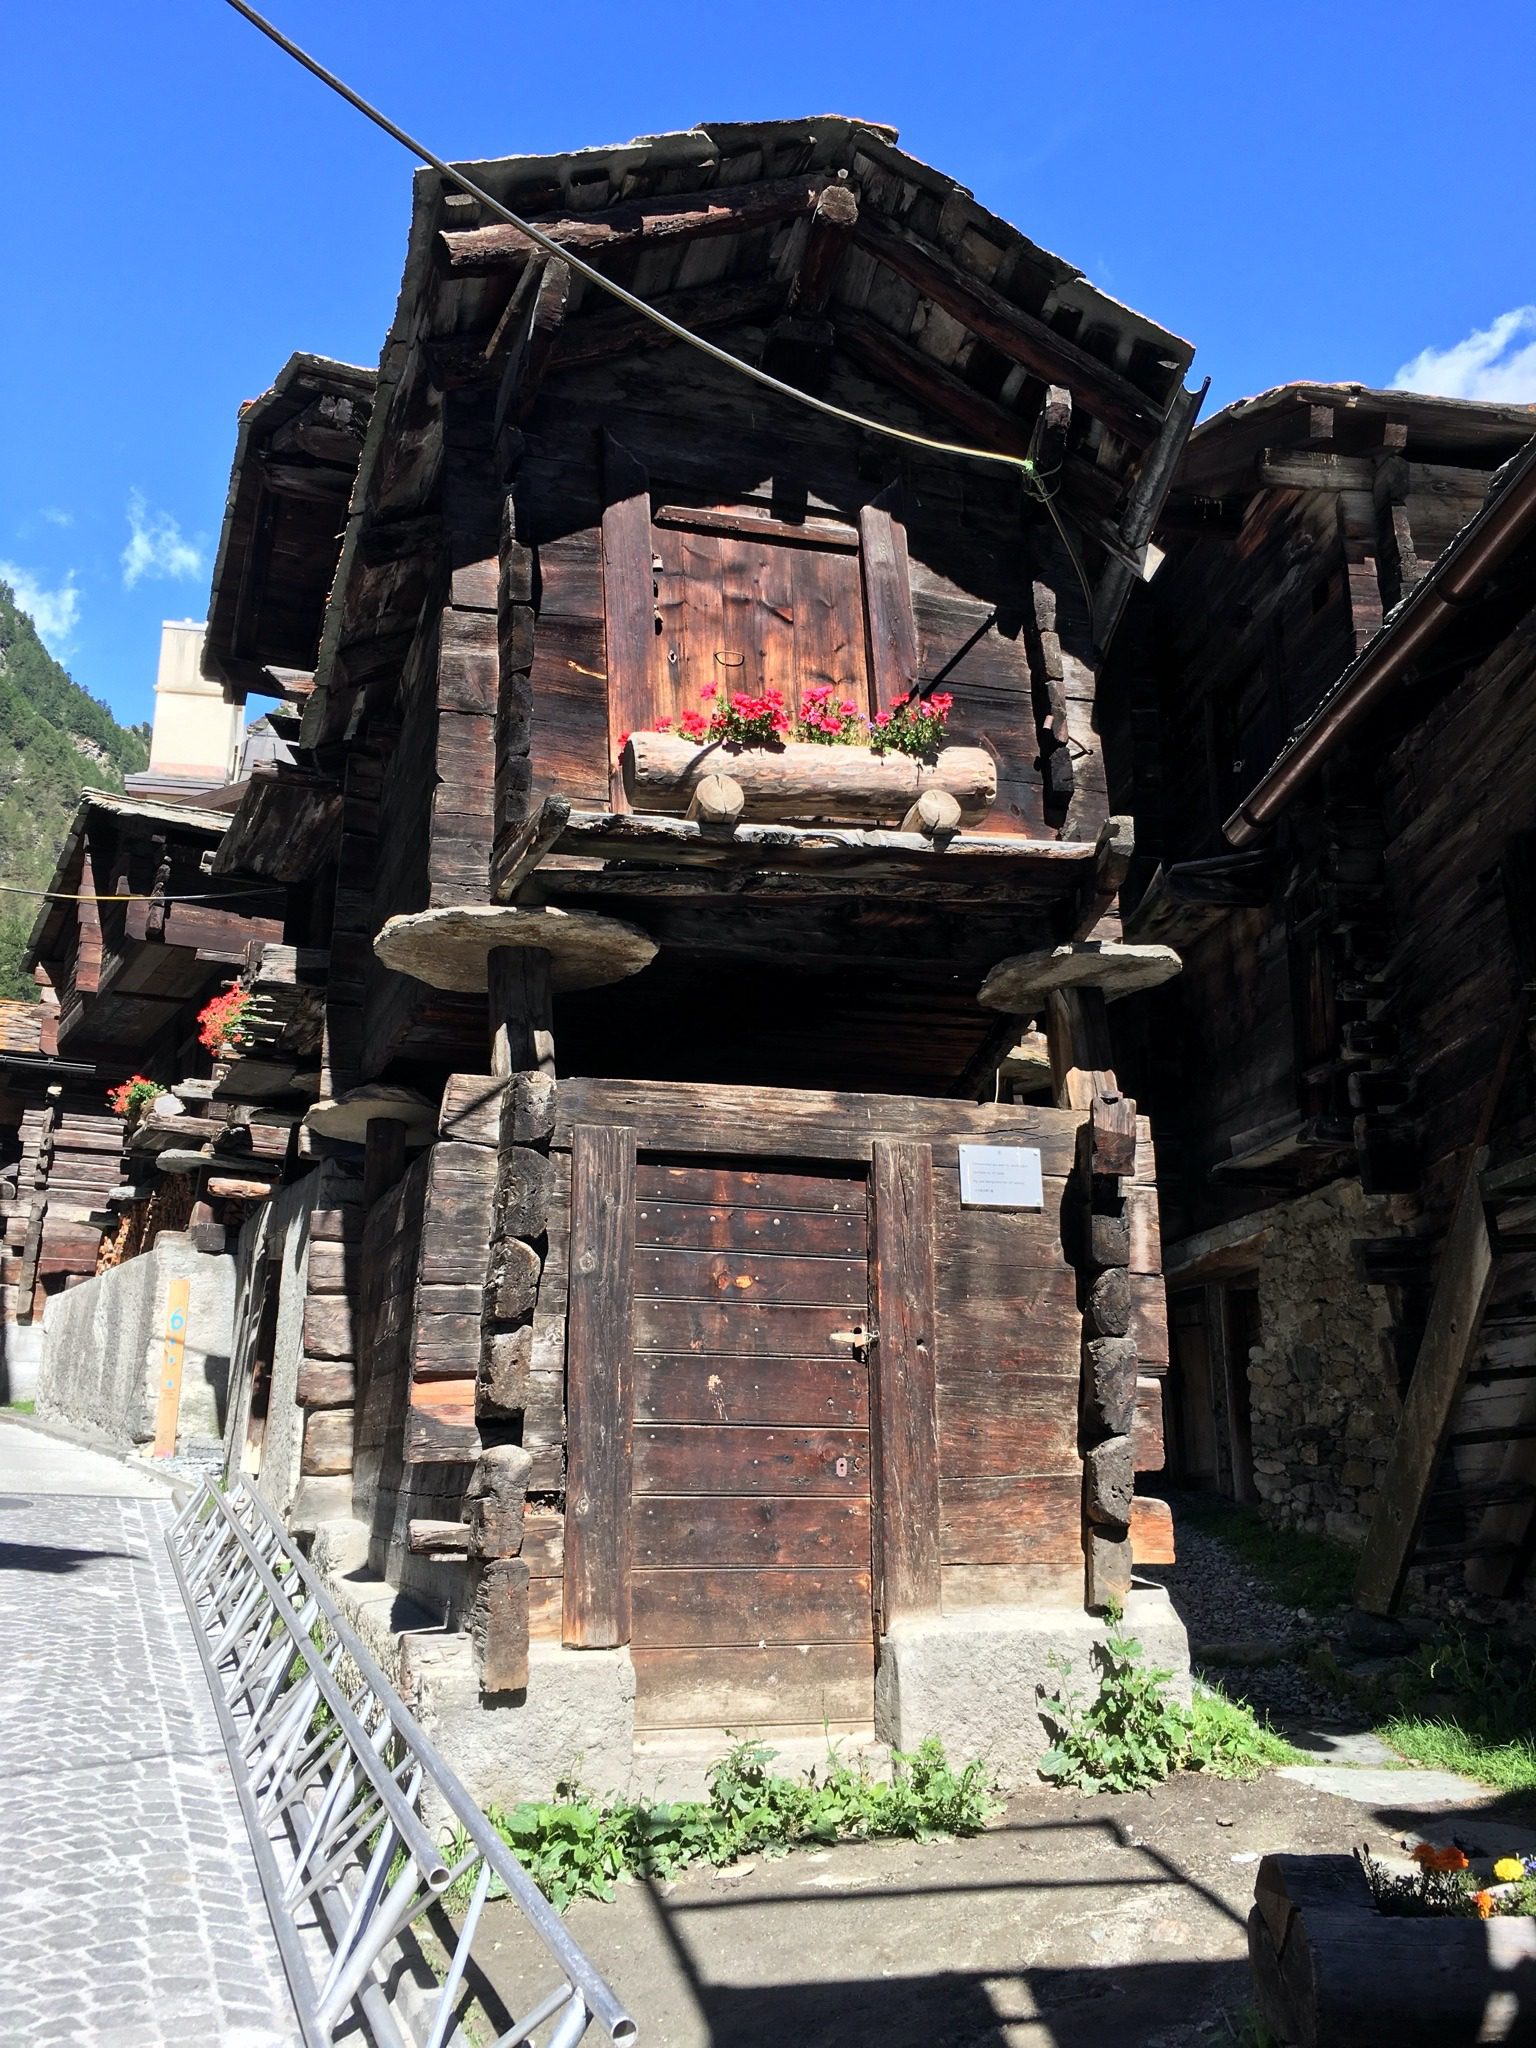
column 330, row 1767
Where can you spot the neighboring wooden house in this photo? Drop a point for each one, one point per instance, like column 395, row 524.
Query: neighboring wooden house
column 1321, row 715
column 134, row 939
column 637, row 1312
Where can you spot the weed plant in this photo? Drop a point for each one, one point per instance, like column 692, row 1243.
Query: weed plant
column 1133, row 1733
column 576, row 1846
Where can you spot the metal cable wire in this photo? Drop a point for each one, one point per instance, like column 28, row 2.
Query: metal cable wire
column 1023, row 465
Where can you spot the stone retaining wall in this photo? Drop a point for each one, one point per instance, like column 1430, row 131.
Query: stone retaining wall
column 103, row 1346
column 1323, row 1386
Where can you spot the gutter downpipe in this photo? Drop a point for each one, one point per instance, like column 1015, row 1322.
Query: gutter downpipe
column 1504, row 522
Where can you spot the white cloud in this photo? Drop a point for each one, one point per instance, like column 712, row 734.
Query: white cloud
column 156, row 546
column 55, row 515
column 1496, row 362
column 55, row 613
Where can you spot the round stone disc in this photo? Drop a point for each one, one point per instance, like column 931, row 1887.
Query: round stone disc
column 348, row 1116
column 448, row 947
column 1118, row 970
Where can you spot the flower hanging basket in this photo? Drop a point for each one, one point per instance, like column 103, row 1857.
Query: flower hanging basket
column 800, row 780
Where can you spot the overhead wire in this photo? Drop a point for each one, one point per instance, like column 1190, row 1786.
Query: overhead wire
column 1023, row 465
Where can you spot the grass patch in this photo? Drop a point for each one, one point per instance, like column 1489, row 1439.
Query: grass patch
column 1230, row 1741
column 21, row 1407
column 576, row 1846
column 1305, row 1570
column 1448, row 1746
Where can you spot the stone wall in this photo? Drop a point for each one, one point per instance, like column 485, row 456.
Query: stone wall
column 103, row 1347
column 1324, row 1392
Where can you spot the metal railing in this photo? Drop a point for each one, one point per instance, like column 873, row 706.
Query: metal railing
column 330, row 1767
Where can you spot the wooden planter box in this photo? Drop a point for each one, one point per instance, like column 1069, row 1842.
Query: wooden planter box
column 800, row 780
column 1329, row 1971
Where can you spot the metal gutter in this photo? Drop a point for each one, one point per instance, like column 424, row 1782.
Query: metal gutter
column 1506, row 518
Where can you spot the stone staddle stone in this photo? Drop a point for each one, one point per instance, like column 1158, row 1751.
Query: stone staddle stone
column 1020, row 984
column 349, row 1115
column 449, row 947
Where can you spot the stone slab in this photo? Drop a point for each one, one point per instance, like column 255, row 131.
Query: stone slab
column 1369, row 1786
column 1018, row 984
column 449, row 947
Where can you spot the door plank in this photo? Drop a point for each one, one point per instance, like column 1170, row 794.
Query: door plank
column 727, row 1530
column 725, row 1185
column 888, row 603
column 698, row 1607
column 815, row 1393
column 599, row 1350
column 685, row 1458
column 754, row 1688
column 800, row 1233
column 749, row 1278
column 904, row 1398
column 742, row 1329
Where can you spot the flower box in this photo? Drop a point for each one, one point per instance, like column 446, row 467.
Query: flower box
column 797, row 780
column 1331, row 1970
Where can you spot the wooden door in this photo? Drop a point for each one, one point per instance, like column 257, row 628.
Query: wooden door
column 751, row 1565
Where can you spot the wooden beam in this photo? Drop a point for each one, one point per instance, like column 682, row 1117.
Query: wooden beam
column 512, row 866
column 1112, row 857
column 904, row 1397
column 1098, row 389
column 1462, row 1287
column 1082, row 1065
column 524, row 373
column 733, row 210
column 887, row 575
column 595, row 336
column 833, row 220
column 629, row 599
column 599, row 1399
column 933, row 386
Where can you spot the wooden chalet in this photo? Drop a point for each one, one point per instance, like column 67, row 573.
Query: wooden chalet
column 1320, row 713
column 624, row 1299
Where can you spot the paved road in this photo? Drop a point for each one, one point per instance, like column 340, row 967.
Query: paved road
column 130, row 1913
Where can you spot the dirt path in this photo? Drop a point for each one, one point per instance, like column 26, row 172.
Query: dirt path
column 1072, row 1923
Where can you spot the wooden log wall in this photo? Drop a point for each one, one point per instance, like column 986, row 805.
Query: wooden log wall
column 18, row 1273
column 333, row 1293
column 1124, row 1360
column 969, row 598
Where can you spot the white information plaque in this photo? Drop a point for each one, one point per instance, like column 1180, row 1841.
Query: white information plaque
column 1000, row 1177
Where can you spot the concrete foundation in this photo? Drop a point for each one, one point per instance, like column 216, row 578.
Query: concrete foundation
column 575, row 1721
column 975, row 1679
column 103, row 1345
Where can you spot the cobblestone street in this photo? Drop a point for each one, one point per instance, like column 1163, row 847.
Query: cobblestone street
column 132, row 1912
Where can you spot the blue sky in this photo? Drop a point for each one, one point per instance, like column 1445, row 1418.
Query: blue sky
column 1304, row 191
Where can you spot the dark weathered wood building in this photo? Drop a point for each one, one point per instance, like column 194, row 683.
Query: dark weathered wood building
column 1319, row 713
column 625, row 1299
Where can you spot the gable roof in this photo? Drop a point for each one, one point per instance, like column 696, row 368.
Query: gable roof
column 935, row 296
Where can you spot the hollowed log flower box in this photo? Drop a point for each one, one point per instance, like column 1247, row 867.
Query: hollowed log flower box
column 1330, row 1970
column 803, row 782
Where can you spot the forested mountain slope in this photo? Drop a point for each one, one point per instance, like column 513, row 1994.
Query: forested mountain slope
column 54, row 739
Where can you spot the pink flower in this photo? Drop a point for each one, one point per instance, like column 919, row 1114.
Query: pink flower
column 940, row 701
column 694, row 724
column 708, row 693
column 663, row 725
column 882, row 719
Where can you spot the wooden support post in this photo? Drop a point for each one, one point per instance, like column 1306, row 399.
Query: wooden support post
column 1462, row 1287
column 599, row 1369
column 522, row 1033
column 904, row 1393
column 383, row 1157
column 1082, row 1066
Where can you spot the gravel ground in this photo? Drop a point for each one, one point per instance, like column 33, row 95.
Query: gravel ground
column 1242, row 1637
